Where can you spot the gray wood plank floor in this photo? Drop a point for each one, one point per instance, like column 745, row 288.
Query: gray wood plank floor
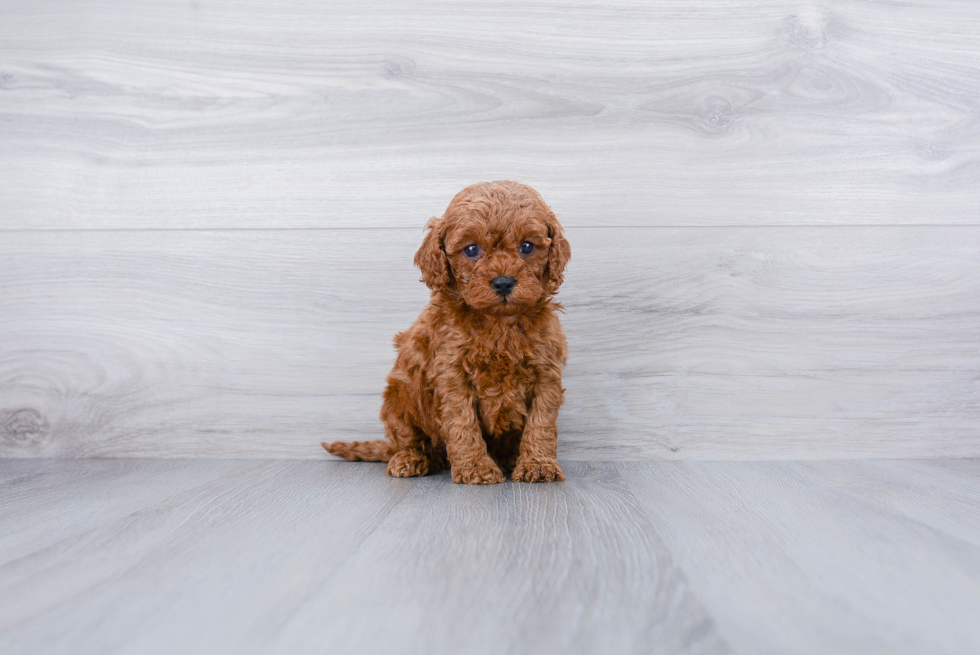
column 224, row 556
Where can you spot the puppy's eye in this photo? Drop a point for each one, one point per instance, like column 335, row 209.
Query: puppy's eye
column 471, row 250
column 527, row 248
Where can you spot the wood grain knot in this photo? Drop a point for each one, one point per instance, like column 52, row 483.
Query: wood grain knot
column 22, row 427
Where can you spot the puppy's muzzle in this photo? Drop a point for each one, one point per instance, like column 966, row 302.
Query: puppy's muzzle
column 503, row 285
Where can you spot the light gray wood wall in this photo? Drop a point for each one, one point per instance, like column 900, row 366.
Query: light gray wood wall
column 208, row 213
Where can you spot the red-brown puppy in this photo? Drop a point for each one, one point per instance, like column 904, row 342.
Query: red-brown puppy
column 477, row 380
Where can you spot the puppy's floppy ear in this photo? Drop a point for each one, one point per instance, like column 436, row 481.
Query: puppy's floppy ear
column 431, row 258
column 558, row 254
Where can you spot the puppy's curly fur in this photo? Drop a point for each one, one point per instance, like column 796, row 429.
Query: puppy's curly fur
column 477, row 381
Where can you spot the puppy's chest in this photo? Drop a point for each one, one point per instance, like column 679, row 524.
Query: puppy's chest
column 503, row 379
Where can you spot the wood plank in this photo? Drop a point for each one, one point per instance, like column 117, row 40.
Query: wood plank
column 37, row 513
column 212, row 567
column 942, row 494
column 122, row 114
column 713, row 343
column 789, row 560
column 571, row 567
column 297, row 557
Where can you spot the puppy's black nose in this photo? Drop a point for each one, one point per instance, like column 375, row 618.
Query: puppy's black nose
column 503, row 285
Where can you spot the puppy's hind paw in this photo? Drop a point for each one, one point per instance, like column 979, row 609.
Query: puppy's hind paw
column 540, row 470
column 408, row 464
column 479, row 473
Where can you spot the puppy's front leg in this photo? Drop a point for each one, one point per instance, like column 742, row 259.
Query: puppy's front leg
column 467, row 451
column 537, row 459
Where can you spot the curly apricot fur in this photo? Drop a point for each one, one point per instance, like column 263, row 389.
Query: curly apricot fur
column 477, row 381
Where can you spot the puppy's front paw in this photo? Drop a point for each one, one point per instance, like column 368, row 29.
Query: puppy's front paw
column 478, row 473
column 537, row 470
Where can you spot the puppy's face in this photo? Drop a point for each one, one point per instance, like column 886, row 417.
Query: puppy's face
column 498, row 262
column 498, row 245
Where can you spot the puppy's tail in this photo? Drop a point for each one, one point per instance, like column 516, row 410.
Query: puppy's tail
column 365, row 451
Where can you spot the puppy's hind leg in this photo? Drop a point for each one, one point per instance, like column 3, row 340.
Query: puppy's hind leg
column 409, row 459
column 411, row 463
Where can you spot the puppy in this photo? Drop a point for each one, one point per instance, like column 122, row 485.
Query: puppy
column 477, row 381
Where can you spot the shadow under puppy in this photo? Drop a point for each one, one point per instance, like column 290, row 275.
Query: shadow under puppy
column 477, row 380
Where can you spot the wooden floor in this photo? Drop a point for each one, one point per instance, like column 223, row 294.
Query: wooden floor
column 236, row 556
